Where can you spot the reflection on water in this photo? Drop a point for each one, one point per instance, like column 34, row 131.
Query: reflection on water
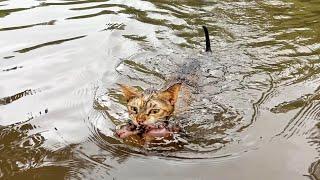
column 254, row 102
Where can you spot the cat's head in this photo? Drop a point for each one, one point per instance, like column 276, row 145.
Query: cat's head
column 148, row 107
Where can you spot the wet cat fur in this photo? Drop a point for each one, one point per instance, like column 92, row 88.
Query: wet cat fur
column 150, row 106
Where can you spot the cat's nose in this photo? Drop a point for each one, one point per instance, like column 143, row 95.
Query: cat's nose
column 140, row 122
column 141, row 119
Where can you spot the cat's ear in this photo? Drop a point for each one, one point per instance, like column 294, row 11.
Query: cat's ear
column 129, row 92
column 171, row 94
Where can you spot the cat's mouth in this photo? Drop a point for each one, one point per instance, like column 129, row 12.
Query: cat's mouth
column 163, row 121
column 159, row 129
column 145, row 127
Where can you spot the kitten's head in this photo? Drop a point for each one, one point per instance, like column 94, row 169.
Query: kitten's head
column 148, row 107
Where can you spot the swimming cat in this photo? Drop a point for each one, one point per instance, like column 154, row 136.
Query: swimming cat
column 150, row 110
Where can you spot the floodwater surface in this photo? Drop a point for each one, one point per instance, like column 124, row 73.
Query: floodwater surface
column 253, row 107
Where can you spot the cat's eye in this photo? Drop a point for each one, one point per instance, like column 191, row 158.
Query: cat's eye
column 154, row 111
column 134, row 109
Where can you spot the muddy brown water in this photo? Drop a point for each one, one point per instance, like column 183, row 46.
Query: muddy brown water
column 255, row 107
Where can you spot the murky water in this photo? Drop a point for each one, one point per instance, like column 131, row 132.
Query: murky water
column 254, row 112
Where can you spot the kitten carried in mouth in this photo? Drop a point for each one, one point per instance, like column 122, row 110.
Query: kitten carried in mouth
column 150, row 110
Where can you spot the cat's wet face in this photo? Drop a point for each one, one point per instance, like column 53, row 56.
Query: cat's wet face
column 147, row 108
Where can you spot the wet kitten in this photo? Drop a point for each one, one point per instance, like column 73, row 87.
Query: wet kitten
column 150, row 106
